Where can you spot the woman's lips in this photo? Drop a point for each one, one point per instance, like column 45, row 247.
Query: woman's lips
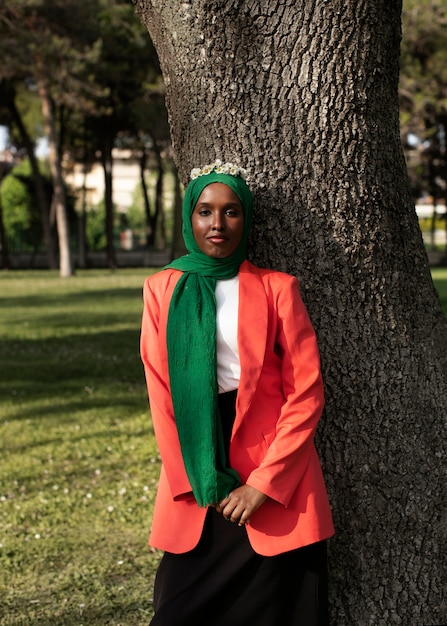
column 217, row 239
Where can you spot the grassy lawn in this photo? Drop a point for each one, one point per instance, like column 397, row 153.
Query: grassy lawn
column 79, row 464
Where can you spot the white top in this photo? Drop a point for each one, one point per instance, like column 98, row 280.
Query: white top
column 227, row 308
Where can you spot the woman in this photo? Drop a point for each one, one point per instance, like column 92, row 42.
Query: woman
column 235, row 389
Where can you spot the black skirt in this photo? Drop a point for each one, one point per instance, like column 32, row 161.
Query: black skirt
column 223, row 582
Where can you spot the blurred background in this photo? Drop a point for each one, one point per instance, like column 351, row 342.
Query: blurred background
column 84, row 137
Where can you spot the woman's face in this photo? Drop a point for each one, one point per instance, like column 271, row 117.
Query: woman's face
column 218, row 221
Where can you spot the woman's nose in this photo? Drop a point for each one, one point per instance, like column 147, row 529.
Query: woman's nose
column 218, row 222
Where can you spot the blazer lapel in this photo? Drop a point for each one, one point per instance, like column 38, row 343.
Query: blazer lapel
column 252, row 334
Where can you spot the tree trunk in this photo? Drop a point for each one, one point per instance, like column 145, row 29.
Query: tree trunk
column 59, row 199
column 304, row 95
column 107, row 164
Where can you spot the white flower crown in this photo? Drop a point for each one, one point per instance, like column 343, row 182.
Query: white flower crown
column 219, row 168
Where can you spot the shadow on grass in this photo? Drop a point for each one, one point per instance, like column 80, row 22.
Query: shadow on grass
column 47, row 325
column 74, row 471
column 84, row 297
column 103, row 355
column 136, row 400
column 120, row 612
column 11, row 447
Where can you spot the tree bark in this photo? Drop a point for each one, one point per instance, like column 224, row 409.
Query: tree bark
column 66, row 267
column 304, row 95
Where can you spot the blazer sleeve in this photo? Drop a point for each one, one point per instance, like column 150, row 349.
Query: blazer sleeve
column 291, row 448
column 156, row 298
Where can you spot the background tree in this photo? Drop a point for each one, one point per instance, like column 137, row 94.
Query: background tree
column 80, row 57
column 57, row 44
column 19, row 202
column 121, row 81
column 15, row 101
column 149, row 138
column 305, row 95
column 423, row 100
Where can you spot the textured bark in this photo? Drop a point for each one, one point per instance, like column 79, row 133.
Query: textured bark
column 304, row 95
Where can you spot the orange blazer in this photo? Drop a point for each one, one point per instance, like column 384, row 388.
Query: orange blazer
column 279, row 403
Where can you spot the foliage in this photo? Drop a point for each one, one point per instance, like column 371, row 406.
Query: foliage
column 30, row 109
column 423, row 95
column 94, row 230
column 423, row 52
column 106, row 81
column 57, row 39
column 426, row 223
column 79, row 462
column 20, row 214
column 135, row 215
column 96, row 62
column 136, row 219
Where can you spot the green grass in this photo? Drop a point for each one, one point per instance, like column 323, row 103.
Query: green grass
column 79, row 463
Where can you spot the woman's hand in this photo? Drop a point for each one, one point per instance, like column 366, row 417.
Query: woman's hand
column 240, row 504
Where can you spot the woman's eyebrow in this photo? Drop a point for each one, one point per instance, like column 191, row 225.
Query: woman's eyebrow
column 225, row 206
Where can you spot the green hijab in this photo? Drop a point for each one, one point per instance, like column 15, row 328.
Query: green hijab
column 191, row 343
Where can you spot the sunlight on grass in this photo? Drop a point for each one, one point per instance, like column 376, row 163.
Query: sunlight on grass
column 79, row 462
